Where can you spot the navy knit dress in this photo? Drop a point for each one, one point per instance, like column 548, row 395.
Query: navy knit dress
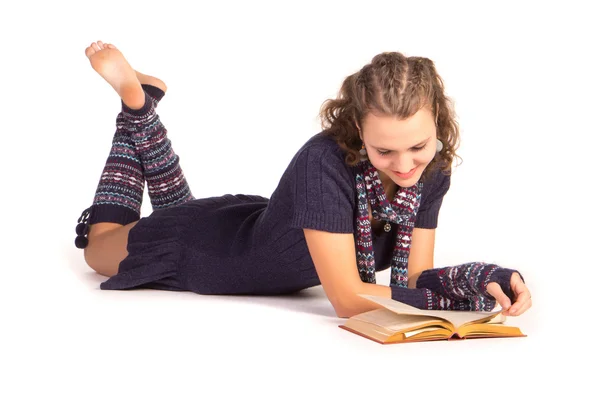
column 248, row 244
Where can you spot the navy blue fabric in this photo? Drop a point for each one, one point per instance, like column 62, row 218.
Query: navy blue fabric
column 250, row 244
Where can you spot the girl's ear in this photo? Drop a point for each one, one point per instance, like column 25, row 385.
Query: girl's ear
column 359, row 131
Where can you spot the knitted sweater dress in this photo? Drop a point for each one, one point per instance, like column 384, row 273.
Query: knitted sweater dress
column 249, row 244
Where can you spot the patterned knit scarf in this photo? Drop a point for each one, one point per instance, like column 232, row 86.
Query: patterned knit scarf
column 402, row 211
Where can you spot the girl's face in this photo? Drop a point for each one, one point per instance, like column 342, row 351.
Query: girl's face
column 400, row 149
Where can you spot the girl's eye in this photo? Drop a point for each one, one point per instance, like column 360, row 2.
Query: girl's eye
column 385, row 153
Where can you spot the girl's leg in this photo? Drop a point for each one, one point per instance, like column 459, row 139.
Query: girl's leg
column 107, row 247
column 167, row 185
column 117, row 203
column 106, row 243
column 115, row 208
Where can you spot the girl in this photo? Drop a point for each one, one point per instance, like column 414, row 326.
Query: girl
column 360, row 196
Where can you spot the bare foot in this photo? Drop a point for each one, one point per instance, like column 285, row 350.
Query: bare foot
column 110, row 63
column 150, row 80
column 143, row 78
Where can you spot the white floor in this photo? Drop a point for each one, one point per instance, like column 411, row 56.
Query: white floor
column 68, row 338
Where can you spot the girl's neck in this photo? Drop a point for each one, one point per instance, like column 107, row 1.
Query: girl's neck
column 389, row 185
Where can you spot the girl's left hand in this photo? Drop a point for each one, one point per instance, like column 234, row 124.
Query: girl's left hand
column 523, row 302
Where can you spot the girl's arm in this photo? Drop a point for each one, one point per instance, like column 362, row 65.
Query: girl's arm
column 334, row 257
column 420, row 257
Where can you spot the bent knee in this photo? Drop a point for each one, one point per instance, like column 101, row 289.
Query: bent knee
column 95, row 261
column 102, row 255
column 107, row 247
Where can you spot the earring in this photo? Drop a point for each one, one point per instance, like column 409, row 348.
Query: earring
column 439, row 146
column 363, row 153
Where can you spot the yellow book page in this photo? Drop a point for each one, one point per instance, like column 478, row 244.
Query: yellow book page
column 456, row 318
column 371, row 324
column 431, row 334
column 399, row 323
column 489, row 329
column 432, row 331
column 468, row 331
column 419, row 335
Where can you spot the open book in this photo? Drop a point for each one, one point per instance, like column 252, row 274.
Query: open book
column 399, row 322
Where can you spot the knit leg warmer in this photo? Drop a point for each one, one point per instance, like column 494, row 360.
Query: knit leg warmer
column 167, row 185
column 119, row 194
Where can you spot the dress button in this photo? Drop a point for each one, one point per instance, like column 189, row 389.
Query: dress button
column 387, row 227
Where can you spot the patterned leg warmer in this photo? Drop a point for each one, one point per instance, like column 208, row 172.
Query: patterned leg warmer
column 156, row 94
column 167, row 185
column 119, row 194
column 120, row 191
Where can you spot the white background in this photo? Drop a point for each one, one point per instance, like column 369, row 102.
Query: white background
column 245, row 83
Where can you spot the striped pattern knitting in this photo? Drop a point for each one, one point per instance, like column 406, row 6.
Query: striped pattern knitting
column 155, row 93
column 436, row 301
column 119, row 193
column 469, row 282
column 427, row 299
column 167, row 185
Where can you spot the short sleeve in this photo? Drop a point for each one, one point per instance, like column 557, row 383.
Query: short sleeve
column 323, row 190
column 434, row 190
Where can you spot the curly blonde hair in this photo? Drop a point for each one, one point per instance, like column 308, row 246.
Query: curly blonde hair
column 392, row 85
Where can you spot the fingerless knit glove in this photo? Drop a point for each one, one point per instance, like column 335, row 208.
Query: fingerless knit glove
column 426, row 299
column 467, row 281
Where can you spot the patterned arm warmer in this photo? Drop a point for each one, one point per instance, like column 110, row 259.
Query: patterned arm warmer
column 426, row 299
column 466, row 281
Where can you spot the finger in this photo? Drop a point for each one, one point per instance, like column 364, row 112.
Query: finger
column 516, row 283
column 522, row 297
column 495, row 290
column 526, row 306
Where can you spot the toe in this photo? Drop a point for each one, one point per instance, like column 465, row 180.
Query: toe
column 100, row 44
column 110, row 46
column 95, row 46
column 89, row 51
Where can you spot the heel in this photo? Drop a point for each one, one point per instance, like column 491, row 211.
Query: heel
column 82, row 229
